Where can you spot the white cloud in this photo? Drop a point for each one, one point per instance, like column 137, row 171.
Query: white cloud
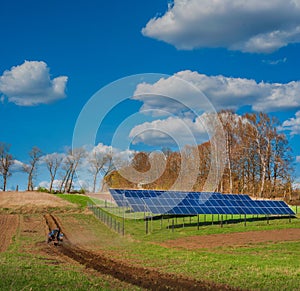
column 260, row 26
column 172, row 95
column 17, row 166
column 296, row 184
column 170, row 131
column 53, row 156
column 119, row 159
column 292, row 124
column 30, row 84
column 275, row 62
column 46, row 184
column 102, row 149
column 223, row 92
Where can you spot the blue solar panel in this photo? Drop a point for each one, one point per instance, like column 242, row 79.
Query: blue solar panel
column 189, row 203
column 137, row 205
column 119, row 197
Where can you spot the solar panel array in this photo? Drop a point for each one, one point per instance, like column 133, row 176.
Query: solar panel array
column 119, row 197
column 192, row 203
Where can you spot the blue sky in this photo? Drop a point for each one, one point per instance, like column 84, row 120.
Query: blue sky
column 75, row 48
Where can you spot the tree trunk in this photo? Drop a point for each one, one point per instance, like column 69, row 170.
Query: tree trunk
column 71, row 181
column 228, row 149
column 66, row 180
column 263, row 178
column 95, row 180
column 4, row 182
column 51, row 184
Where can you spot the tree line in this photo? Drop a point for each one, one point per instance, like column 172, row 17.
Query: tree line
column 61, row 166
column 258, row 160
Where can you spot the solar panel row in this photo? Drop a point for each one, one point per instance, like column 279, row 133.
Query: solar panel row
column 174, row 194
column 190, row 203
column 190, row 206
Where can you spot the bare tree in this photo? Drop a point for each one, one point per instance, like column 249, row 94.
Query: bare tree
column 6, row 160
column 53, row 162
column 66, row 168
column 258, row 159
column 112, row 163
column 97, row 160
column 228, row 122
column 35, row 155
column 70, row 165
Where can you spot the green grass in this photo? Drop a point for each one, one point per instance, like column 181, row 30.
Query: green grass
column 26, row 266
column 81, row 200
column 161, row 230
column 263, row 266
column 255, row 266
column 296, row 209
column 30, row 272
column 267, row 267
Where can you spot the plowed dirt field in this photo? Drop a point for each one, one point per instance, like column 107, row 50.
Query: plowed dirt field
column 8, row 227
column 146, row 278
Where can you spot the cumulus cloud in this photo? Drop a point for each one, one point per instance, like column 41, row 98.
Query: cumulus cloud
column 53, row 157
column 173, row 95
column 171, row 131
column 223, row 92
column 17, row 166
column 248, row 26
column 103, row 150
column 97, row 153
column 30, row 84
column 292, row 125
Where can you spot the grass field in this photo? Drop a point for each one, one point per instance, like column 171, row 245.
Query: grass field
column 262, row 266
column 81, row 200
column 29, row 265
column 268, row 266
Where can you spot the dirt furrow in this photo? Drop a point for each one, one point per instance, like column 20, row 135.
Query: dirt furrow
column 8, row 227
column 139, row 276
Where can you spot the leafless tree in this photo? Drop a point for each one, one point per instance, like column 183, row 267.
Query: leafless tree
column 97, row 160
column 6, row 161
column 258, row 159
column 70, row 165
column 53, row 162
column 110, row 165
column 66, row 168
column 35, row 155
column 228, row 121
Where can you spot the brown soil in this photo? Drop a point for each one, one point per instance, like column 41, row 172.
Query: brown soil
column 234, row 239
column 33, row 228
column 31, row 202
column 8, row 227
column 143, row 277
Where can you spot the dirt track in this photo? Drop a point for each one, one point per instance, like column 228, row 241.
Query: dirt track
column 8, row 227
column 234, row 239
column 142, row 277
